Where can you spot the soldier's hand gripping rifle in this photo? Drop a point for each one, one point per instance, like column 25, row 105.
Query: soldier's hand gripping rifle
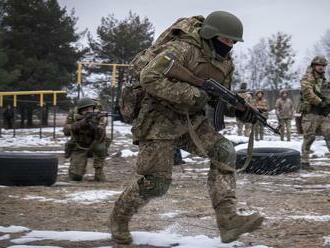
column 211, row 86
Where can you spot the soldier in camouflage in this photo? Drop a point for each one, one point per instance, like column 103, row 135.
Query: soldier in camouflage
column 284, row 111
column 172, row 110
column 248, row 98
column 261, row 104
column 87, row 140
column 314, row 101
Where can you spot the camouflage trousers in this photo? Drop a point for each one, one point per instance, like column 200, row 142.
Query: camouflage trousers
column 243, row 128
column 154, row 171
column 285, row 128
column 259, row 131
column 314, row 125
column 79, row 159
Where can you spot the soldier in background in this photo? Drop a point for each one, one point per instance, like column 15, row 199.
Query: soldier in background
column 261, row 104
column 244, row 128
column 284, row 111
column 88, row 136
column 8, row 116
column 314, row 107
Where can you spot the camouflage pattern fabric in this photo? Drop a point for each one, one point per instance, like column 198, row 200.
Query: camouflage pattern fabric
column 284, row 111
column 86, row 144
column 262, row 105
column 312, row 85
column 244, row 128
column 162, row 126
column 314, row 125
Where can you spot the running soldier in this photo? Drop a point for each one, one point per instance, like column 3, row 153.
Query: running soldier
column 172, row 115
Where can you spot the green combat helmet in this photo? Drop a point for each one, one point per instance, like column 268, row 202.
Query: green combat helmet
column 84, row 103
column 223, row 24
column 319, row 60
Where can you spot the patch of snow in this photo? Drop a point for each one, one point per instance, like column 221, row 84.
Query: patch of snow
column 171, row 214
column 189, row 160
column 122, row 128
column 33, row 246
column 162, row 238
column 13, row 229
column 4, row 237
column 61, row 235
column 82, row 197
column 128, row 153
column 327, row 240
column 311, row 217
column 3, row 186
column 92, row 196
column 184, row 154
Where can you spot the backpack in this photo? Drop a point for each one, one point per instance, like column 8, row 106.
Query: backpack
column 133, row 94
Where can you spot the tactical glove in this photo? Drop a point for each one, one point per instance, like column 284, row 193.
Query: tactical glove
column 246, row 116
column 79, row 124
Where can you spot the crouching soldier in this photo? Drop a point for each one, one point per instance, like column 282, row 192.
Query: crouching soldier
column 88, row 135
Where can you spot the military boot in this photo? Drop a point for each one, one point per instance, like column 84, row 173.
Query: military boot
column 232, row 225
column 119, row 228
column 75, row 177
column 99, row 175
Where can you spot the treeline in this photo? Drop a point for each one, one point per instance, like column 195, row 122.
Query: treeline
column 40, row 47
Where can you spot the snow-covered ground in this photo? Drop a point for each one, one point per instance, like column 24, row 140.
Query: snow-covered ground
column 161, row 238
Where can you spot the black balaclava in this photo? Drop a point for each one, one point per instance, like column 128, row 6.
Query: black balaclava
column 220, row 48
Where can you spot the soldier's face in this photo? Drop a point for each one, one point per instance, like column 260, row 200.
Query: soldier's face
column 319, row 68
column 226, row 41
column 284, row 95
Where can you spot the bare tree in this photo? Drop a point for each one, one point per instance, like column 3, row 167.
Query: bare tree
column 258, row 56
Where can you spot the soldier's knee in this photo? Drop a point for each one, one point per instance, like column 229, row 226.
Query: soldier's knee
column 153, row 186
column 224, row 151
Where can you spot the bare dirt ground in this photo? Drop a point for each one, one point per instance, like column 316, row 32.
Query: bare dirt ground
column 296, row 205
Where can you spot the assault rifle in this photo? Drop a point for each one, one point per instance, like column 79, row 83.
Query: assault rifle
column 179, row 72
column 93, row 118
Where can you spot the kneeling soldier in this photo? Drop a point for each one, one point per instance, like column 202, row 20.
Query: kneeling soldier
column 88, row 134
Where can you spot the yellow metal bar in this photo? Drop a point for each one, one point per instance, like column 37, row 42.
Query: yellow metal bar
column 114, row 75
column 79, row 73
column 105, row 64
column 54, row 99
column 15, row 101
column 38, row 92
column 41, row 100
column 1, row 101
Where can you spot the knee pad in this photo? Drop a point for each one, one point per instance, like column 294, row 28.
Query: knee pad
column 224, row 151
column 153, row 186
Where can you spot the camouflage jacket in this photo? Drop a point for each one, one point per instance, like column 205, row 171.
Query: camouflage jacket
column 84, row 137
column 262, row 106
column 284, row 108
column 162, row 111
column 246, row 95
column 312, row 86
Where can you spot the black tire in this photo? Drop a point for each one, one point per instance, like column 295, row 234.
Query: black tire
column 28, row 169
column 270, row 160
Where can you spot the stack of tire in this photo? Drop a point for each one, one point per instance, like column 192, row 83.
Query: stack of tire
column 270, row 160
column 28, row 169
